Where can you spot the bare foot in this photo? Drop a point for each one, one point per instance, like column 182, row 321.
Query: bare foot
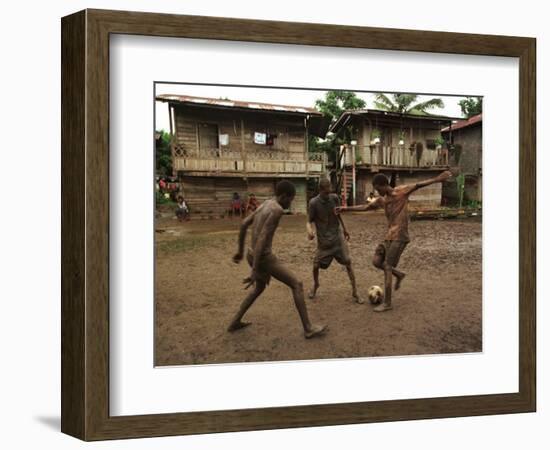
column 398, row 281
column 382, row 307
column 237, row 326
column 358, row 299
column 313, row 292
column 315, row 330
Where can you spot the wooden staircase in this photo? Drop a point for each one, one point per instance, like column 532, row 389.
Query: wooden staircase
column 345, row 191
column 343, row 179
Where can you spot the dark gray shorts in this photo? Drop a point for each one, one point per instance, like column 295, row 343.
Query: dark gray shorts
column 339, row 252
column 389, row 252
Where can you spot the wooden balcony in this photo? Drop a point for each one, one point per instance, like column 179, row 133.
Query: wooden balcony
column 221, row 162
column 378, row 156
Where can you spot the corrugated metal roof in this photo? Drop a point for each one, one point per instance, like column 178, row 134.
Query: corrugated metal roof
column 464, row 123
column 427, row 116
column 343, row 119
column 226, row 103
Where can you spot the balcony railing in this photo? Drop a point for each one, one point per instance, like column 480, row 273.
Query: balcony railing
column 234, row 161
column 386, row 156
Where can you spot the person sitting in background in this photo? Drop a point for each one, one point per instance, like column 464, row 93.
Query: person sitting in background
column 252, row 204
column 236, row 205
column 162, row 184
column 182, row 211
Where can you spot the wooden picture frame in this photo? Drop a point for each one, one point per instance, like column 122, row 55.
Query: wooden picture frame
column 85, row 224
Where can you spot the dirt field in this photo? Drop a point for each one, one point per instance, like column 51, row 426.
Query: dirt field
column 198, row 289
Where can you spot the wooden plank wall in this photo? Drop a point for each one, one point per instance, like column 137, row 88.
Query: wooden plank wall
column 290, row 131
column 299, row 205
column 428, row 197
column 418, row 134
column 210, row 197
column 186, row 133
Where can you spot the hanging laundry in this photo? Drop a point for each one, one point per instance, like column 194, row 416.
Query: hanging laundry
column 260, row 138
column 224, row 139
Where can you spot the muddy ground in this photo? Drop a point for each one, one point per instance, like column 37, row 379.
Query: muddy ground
column 198, row 289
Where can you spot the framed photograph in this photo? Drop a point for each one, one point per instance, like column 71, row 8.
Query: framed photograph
column 273, row 225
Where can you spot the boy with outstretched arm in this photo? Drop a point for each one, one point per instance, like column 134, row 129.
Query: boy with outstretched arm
column 395, row 201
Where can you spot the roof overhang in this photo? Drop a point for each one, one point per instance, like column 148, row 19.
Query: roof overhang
column 474, row 120
column 318, row 126
column 236, row 105
column 388, row 118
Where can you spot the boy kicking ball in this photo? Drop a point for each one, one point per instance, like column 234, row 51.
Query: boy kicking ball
column 264, row 222
column 395, row 202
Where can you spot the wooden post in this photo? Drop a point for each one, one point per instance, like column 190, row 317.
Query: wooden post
column 170, row 119
column 306, row 146
column 450, row 141
column 243, row 148
column 173, row 138
column 197, row 139
column 344, row 188
column 353, row 174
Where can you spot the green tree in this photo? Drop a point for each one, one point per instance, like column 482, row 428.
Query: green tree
column 332, row 106
column 336, row 102
column 406, row 103
column 163, row 153
column 316, row 145
column 471, row 106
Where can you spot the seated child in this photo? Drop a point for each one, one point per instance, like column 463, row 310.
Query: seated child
column 182, row 211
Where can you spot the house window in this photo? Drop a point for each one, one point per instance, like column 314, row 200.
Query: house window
column 430, row 144
column 208, row 136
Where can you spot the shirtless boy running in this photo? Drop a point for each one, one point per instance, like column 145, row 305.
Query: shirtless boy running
column 331, row 236
column 395, row 202
column 264, row 264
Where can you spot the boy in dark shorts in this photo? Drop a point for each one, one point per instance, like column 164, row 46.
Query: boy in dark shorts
column 264, row 264
column 331, row 238
column 395, row 203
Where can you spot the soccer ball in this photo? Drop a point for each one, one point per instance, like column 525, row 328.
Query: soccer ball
column 376, row 295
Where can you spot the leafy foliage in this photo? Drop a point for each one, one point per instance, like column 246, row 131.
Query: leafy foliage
column 375, row 133
column 317, row 145
column 471, row 106
column 476, row 204
column 163, row 153
column 160, row 199
column 406, row 103
column 336, row 102
column 439, row 140
column 332, row 106
column 460, row 180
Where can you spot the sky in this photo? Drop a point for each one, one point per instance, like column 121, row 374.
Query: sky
column 293, row 97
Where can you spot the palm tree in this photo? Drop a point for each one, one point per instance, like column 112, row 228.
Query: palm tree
column 406, row 104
